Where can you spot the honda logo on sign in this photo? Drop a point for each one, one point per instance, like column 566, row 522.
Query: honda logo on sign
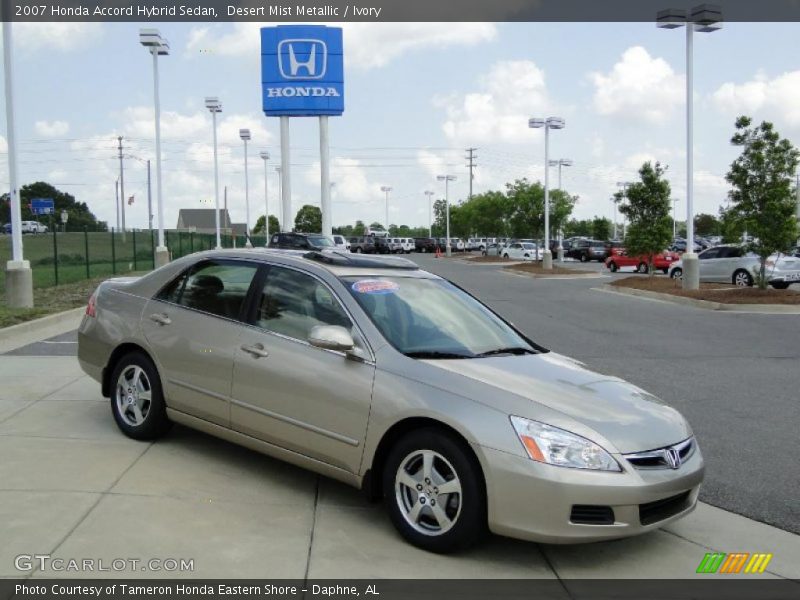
column 302, row 59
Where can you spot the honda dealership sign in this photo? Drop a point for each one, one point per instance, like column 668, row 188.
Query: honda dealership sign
column 302, row 70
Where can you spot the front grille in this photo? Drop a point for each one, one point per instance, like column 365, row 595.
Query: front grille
column 657, row 459
column 587, row 514
column 653, row 512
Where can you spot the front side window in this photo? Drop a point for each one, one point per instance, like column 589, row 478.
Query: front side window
column 218, row 288
column 432, row 318
column 293, row 303
column 710, row 253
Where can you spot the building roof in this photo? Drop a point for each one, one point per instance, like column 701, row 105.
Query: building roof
column 202, row 218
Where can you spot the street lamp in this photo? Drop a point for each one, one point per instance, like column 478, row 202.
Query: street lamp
column 429, row 193
column 265, row 157
column 674, row 224
column 624, row 185
column 548, row 124
column 387, row 189
column 614, row 202
column 447, row 179
column 158, row 46
column 561, row 162
column 283, row 224
column 244, row 135
column 704, row 18
column 215, row 106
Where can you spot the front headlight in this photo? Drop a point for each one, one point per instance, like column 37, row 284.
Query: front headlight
column 554, row 446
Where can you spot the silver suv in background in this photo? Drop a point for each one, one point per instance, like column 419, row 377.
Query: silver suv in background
column 723, row 264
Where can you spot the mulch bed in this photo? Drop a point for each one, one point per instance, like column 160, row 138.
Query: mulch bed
column 488, row 259
column 536, row 269
column 713, row 292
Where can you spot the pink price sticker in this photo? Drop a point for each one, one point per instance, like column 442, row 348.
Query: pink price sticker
column 375, row 286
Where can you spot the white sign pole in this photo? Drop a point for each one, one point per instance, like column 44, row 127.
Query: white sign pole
column 286, row 185
column 325, row 175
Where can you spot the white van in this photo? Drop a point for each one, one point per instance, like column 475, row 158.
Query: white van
column 32, row 227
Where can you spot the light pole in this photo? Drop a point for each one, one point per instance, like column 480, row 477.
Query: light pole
column 429, row 193
column 283, row 226
column 386, row 189
column 447, row 179
column 158, row 46
column 244, row 135
column 215, row 106
column 614, row 201
column 624, row 185
column 548, row 124
column 265, row 157
column 561, row 162
column 674, row 224
column 704, row 18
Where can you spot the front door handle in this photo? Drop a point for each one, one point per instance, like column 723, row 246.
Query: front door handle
column 160, row 318
column 256, row 350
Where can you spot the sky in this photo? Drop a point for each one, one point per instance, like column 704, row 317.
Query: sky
column 416, row 96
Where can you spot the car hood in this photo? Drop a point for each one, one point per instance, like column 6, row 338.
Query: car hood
column 630, row 418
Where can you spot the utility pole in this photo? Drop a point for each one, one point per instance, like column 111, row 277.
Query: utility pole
column 116, row 196
column 797, row 193
column 121, row 187
column 471, row 164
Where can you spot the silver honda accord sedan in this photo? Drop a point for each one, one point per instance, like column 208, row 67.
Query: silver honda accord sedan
column 393, row 380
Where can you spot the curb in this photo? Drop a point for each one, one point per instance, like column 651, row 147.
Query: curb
column 36, row 325
column 767, row 309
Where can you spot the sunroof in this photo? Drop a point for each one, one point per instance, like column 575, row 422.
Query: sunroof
column 343, row 259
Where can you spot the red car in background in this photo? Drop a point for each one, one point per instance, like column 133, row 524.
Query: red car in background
column 661, row 261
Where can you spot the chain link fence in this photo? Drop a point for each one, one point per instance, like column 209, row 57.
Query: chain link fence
column 66, row 257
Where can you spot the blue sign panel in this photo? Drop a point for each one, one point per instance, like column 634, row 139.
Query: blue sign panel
column 42, row 206
column 302, row 70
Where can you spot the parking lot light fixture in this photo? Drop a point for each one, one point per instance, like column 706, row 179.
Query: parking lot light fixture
column 548, row 124
column 447, row 179
column 429, row 193
column 244, row 135
column 624, row 185
column 265, row 157
column 703, row 18
column 386, row 189
column 561, row 162
column 158, row 46
column 215, row 106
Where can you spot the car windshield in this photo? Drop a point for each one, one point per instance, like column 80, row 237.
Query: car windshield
column 320, row 240
column 432, row 318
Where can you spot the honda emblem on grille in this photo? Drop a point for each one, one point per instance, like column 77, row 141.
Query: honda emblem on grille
column 672, row 457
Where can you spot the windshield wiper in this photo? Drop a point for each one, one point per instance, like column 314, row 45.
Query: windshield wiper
column 436, row 354
column 516, row 350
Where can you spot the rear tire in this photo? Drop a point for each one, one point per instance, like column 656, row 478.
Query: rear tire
column 677, row 274
column 642, row 268
column 612, row 266
column 428, row 517
column 742, row 278
column 137, row 399
column 584, row 258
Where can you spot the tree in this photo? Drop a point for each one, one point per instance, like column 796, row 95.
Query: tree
column 601, row 228
column 526, row 210
column 574, row 227
column 439, row 218
column 359, row 228
column 79, row 215
column 761, row 201
column 705, row 224
column 308, row 219
column 647, row 207
column 274, row 225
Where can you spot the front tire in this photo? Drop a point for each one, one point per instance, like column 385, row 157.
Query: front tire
column 642, row 268
column 137, row 399
column 677, row 274
column 780, row 285
column 358, row 250
column 434, row 491
column 612, row 266
column 584, row 258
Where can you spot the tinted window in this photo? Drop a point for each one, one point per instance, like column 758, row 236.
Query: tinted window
column 172, row 292
column 293, row 303
column 218, row 288
column 710, row 253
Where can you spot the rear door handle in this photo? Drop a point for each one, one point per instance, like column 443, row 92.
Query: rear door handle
column 257, row 351
column 161, row 319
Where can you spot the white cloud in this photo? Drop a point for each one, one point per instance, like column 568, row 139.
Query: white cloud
column 62, row 37
column 499, row 112
column 367, row 45
column 774, row 98
column 639, row 87
column 51, row 128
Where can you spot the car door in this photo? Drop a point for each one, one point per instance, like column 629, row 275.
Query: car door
column 193, row 326
column 710, row 265
column 286, row 392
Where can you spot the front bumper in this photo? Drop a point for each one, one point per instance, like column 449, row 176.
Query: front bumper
column 534, row 501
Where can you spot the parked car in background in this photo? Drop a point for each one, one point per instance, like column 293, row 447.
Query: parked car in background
column 520, row 251
column 723, row 264
column 783, row 269
column 32, row 227
column 614, row 247
column 382, row 245
column 715, row 240
column 301, row 241
column 6, row 228
column 679, row 245
column 395, row 247
column 661, row 261
column 425, row 244
column 493, row 249
column 341, row 242
column 364, row 244
column 586, row 250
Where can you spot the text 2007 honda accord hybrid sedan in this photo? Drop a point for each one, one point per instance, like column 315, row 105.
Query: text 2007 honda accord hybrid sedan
column 391, row 379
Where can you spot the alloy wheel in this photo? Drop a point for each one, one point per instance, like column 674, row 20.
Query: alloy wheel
column 133, row 395
column 428, row 492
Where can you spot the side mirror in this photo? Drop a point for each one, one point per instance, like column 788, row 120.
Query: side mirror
column 331, row 337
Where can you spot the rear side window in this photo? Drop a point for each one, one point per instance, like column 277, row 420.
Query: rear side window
column 217, row 288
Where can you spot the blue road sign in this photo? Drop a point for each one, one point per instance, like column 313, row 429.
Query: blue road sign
column 302, row 70
column 42, row 206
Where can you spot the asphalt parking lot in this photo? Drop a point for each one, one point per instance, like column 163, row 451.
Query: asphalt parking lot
column 734, row 376
column 72, row 486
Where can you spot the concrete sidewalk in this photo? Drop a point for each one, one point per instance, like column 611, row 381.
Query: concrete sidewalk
column 72, row 486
